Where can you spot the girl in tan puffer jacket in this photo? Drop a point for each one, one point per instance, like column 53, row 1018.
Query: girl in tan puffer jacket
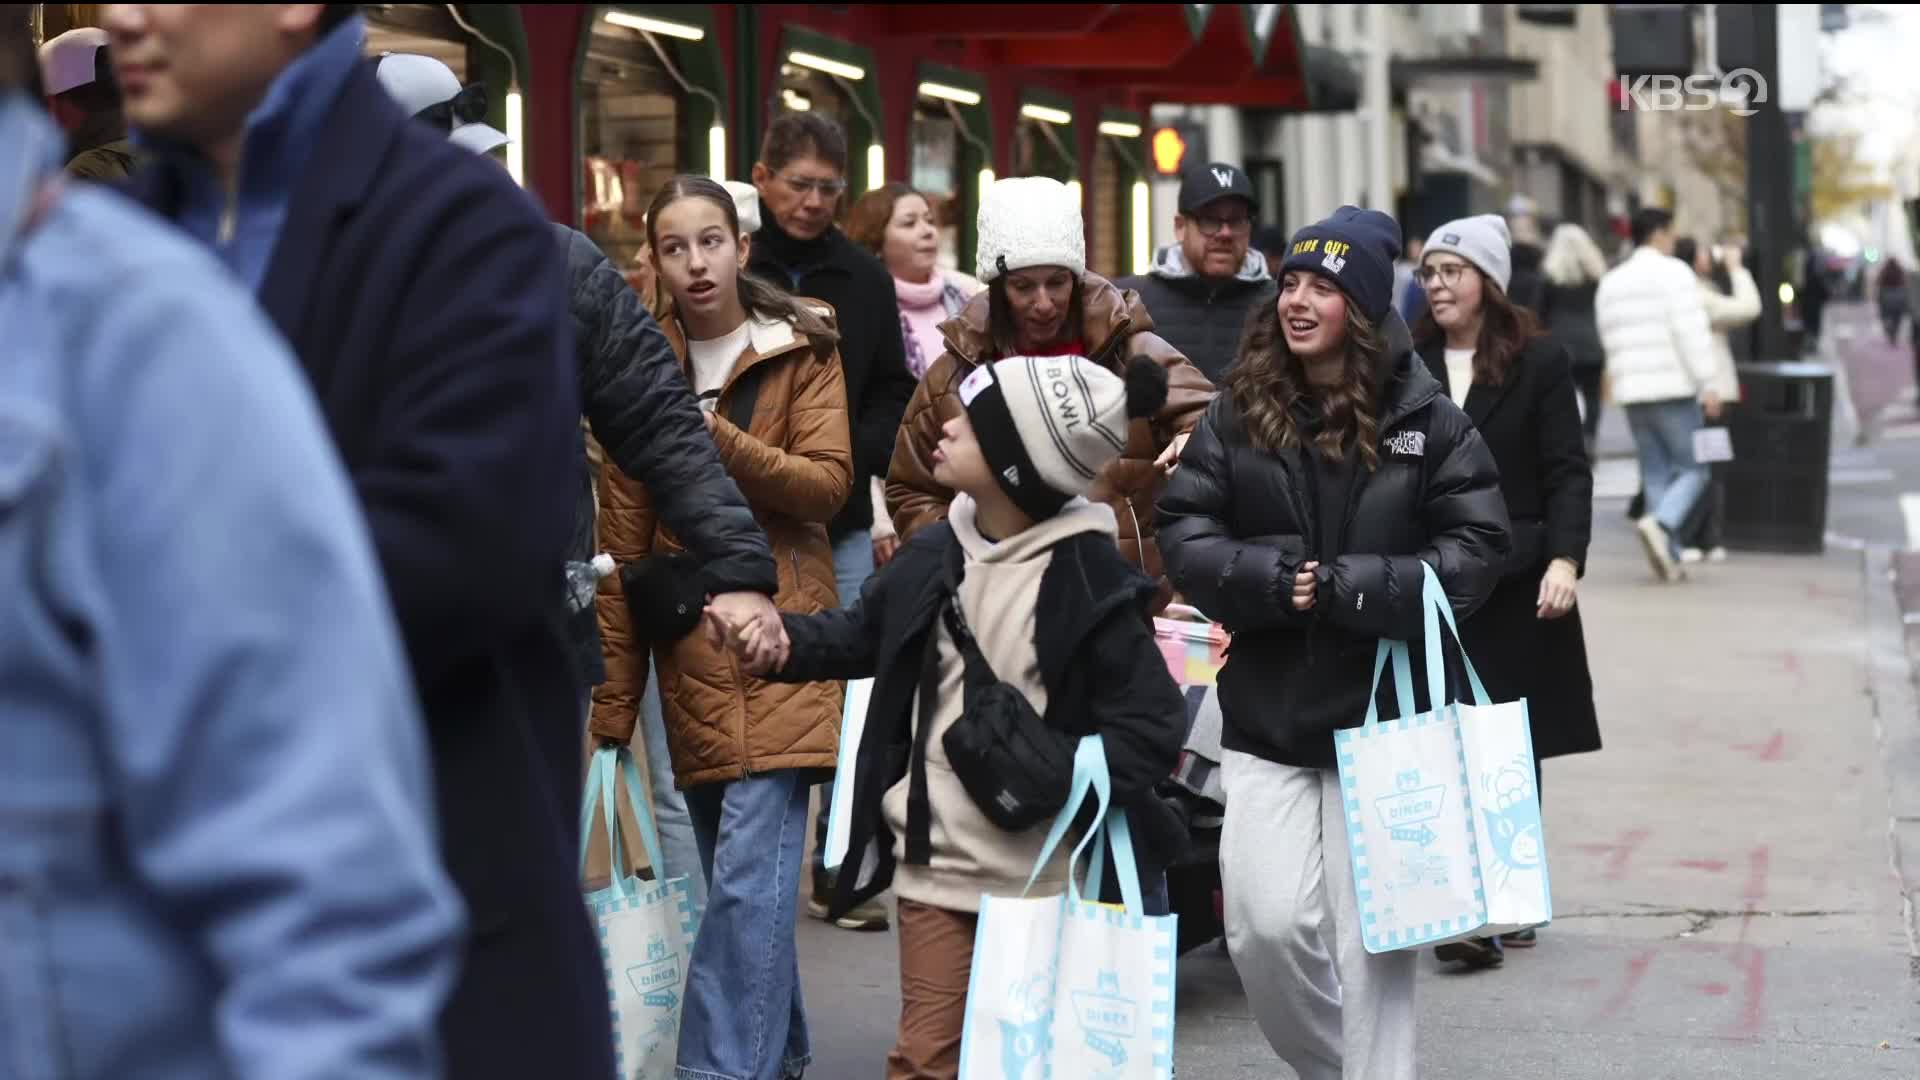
column 746, row 752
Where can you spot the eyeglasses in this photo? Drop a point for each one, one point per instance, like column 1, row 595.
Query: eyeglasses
column 802, row 186
column 1211, row 226
column 1447, row 274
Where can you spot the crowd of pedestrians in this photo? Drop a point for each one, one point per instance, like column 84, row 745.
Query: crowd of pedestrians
column 300, row 761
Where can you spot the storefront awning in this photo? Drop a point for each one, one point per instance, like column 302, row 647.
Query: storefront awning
column 1202, row 54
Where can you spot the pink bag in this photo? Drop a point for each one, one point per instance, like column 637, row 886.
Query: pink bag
column 1193, row 647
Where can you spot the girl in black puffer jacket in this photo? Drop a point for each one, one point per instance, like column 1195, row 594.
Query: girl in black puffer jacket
column 1299, row 516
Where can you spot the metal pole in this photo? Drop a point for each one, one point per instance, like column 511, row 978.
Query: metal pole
column 1770, row 188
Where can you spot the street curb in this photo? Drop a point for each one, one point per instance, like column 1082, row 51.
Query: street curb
column 1892, row 583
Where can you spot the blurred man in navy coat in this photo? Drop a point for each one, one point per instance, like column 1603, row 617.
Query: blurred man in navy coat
column 424, row 296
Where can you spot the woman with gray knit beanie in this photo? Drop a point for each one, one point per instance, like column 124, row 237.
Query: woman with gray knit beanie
column 1516, row 384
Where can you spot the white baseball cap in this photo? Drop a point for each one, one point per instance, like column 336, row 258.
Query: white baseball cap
column 420, row 82
column 67, row 61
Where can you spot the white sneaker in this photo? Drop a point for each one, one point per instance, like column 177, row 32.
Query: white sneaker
column 1692, row 555
column 1653, row 537
column 1718, row 554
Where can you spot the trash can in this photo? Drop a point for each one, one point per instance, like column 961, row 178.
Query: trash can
column 1782, row 434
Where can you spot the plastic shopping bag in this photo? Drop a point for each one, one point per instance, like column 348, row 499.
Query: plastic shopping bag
column 853, row 724
column 1063, row 986
column 1195, row 650
column 646, row 928
column 1443, row 815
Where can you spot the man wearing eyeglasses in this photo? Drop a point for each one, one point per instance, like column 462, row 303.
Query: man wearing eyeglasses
column 801, row 174
column 1202, row 289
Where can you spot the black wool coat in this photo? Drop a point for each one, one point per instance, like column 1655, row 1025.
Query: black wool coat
column 1531, row 423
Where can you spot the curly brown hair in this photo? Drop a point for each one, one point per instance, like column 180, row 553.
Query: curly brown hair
column 1505, row 330
column 1269, row 379
column 867, row 221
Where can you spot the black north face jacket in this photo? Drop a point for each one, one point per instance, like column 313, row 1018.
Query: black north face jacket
column 1236, row 524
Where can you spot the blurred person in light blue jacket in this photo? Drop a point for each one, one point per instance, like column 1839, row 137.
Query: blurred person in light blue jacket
column 217, row 855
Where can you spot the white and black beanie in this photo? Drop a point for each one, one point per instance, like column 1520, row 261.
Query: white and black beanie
column 1048, row 425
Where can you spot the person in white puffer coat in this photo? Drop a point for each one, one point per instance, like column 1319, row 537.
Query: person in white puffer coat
column 1661, row 366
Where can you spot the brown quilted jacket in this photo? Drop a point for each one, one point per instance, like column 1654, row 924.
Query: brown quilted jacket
column 1116, row 329
column 794, row 464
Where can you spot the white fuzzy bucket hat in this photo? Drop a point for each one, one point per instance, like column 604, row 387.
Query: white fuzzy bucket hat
column 1030, row 221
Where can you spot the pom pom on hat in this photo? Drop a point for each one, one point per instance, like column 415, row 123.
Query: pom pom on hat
column 1146, row 388
column 1028, row 221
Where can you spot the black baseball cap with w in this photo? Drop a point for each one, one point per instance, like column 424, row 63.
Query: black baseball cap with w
column 1204, row 184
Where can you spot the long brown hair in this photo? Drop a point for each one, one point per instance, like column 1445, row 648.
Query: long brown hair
column 761, row 298
column 1269, row 379
column 1505, row 330
column 867, row 221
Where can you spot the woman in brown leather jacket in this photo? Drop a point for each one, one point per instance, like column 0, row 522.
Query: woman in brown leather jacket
column 746, row 752
column 1041, row 301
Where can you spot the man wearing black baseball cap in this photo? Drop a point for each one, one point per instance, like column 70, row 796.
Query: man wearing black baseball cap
column 1202, row 288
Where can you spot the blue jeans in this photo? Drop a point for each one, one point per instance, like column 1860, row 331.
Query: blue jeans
column 743, row 1018
column 1673, row 481
column 852, row 566
column 677, row 844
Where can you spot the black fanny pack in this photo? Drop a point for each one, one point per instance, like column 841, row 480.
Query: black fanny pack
column 1017, row 769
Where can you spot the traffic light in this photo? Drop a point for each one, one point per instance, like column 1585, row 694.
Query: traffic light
column 1173, row 145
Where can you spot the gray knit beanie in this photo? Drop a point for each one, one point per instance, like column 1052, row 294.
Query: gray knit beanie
column 1483, row 241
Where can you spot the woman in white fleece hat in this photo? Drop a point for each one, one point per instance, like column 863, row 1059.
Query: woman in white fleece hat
column 1041, row 301
column 1516, row 385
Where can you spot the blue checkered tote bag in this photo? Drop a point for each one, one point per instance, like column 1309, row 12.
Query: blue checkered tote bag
column 646, row 928
column 1066, row 987
column 1443, row 816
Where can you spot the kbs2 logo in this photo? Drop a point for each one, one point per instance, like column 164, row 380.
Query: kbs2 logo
column 1742, row 88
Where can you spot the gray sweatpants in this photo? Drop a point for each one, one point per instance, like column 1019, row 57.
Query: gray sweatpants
column 1331, row 1009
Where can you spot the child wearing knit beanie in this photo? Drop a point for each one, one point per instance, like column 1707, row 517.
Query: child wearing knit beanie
column 996, row 641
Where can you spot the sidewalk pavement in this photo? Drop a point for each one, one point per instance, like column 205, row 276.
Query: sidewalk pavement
column 1725, row 898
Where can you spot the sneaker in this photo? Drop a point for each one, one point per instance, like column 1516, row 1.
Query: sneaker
column 1717, row 555
column 1476, row 954
column 1522, row 939
column 870, row 916
column 1692, row 555
column 1653, row 536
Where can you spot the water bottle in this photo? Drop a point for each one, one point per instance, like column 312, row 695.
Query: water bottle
column 583, row 579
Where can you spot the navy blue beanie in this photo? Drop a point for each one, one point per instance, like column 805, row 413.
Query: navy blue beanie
column 1356, row 249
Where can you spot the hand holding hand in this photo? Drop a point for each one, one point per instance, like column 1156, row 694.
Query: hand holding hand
column 1305, row 584
column 1558, row 589
column 730, row 615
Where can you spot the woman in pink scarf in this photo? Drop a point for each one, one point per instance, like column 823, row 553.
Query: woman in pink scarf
column 896, row 223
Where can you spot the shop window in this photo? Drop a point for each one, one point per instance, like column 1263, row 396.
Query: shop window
column 425, row 29
column 806, row 90
column 633, row 139
column 1040, row 148
column 938, row 151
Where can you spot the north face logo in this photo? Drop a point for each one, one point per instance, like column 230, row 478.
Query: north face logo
column 1408, row 444
column 1224, row 177
column 1333, row 263
column 1012, row 473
